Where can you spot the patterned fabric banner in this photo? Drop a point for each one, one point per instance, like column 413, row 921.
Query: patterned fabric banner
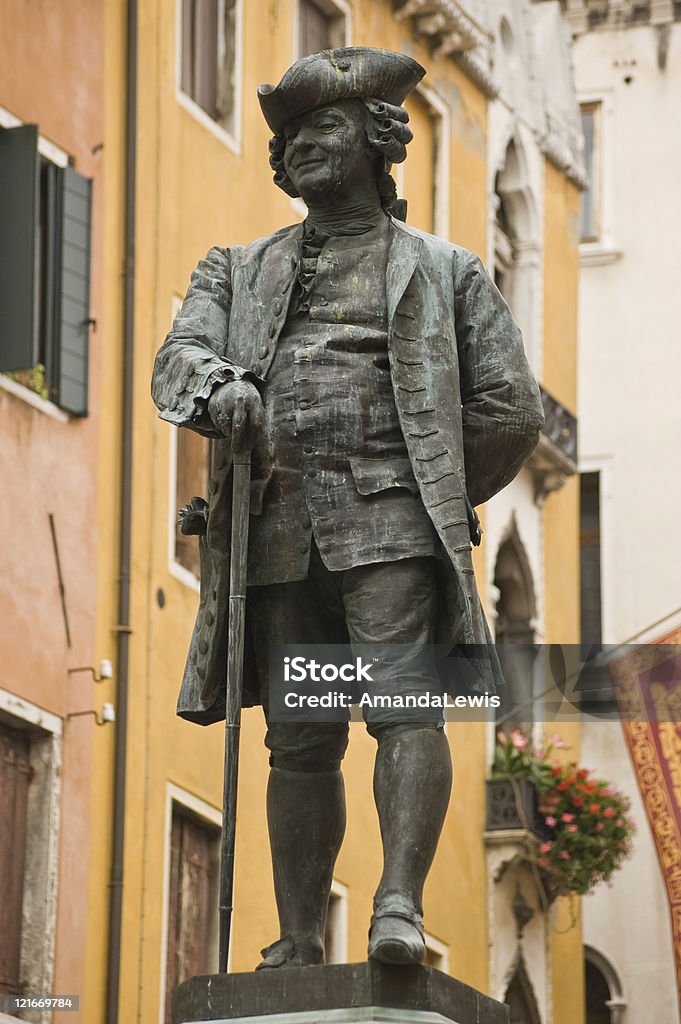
column 647, row 685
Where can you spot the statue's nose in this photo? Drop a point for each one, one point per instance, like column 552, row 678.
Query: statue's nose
column 302, row 142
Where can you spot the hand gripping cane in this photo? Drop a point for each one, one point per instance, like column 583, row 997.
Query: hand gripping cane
column 241, row 479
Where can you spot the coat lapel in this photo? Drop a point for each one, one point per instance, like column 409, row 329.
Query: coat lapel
column 403, row 255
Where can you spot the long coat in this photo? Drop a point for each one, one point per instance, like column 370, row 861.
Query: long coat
column 468, row 404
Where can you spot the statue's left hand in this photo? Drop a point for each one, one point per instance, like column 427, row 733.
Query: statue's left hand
column 236, row 411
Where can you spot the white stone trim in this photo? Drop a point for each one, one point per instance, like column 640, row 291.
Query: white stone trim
column 209, row 813
column 31, row 398
column 175, row 568
column 604, row 249
column 39, row 911
column 441, row 115
column 341, row 892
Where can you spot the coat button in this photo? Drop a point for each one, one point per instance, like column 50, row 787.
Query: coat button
column 303, row 549
column 311, row 473
column 264, row 352
column 285, row 287
column 308, row 449
column 303, row 404
column 277, row 308
column 209, row 617
column 203, row 646
column 306, row 522
column 294, row 263
column 271, row 330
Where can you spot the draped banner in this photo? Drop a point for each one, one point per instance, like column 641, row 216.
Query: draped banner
column 647, row 685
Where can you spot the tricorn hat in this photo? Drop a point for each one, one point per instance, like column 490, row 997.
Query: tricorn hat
column 343, row 74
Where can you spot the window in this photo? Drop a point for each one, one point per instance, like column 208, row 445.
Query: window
column 322, row 25
column 437, row 954
column 15, row 774
column 209, row 58
column 590, row 200
column 192, row 928
column 29, row 837
column 590, row 558
column 45, row 210
column 191, row 480
column 424, row 176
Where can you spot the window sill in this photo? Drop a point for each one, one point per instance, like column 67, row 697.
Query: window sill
column 31, row 398
column 184, row 576
column 200, row 115
column 593, row 254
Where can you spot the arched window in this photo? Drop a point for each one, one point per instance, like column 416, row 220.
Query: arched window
column 520, row 997
column 517, row 261
column 514, row 631
column 605, row 1003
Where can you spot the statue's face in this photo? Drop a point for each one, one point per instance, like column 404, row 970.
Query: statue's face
column 327, row 153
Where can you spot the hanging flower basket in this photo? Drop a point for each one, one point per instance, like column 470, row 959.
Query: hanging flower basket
column 583, row 821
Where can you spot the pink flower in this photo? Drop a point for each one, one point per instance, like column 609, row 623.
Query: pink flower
column 599, row 826
column 565, row 855
column 501, row 736
column 572, row 828
column 519, row 741
column 558, row 742
column 609, row 812
column 545, row 847
column 567, row 817
column 551, row 821
column 619, row 823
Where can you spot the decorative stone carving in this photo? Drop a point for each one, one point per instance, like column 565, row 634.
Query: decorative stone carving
column 555, row 457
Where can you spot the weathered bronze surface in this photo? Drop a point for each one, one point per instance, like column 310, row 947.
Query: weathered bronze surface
column 379, row 378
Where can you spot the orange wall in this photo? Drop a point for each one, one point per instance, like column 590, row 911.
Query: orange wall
column 51, row 75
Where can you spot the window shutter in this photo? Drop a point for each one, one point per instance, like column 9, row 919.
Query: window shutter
column 18, row 231
column 73, row 293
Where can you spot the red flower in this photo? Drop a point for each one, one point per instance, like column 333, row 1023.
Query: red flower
column 583, row 773
column 609, row 812
column 595, row 808
column 562, row 786
column 577, row 801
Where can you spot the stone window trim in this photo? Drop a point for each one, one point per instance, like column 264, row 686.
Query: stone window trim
column 603, row 248
column 617, row 1004
column 175, row 567
column 39, row 910
column 337, row 924
column 212, row 816
column 440, row 113
column 229, row 138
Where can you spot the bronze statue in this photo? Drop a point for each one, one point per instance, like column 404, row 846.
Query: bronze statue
column 379, row 378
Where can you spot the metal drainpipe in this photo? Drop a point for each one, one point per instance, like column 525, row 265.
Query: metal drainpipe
column 123, row 628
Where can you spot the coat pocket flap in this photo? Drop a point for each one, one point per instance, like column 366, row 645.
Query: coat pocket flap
column 373, row 475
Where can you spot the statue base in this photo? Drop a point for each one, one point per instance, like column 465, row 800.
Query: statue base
column 368, row 993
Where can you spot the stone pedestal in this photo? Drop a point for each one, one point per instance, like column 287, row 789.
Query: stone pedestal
column 339, row 994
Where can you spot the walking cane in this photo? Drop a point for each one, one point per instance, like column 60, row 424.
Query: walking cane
column 241, row 479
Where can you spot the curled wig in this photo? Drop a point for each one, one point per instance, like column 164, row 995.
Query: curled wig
column 387, row 133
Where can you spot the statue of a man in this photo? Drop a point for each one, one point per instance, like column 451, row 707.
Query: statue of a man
column 379, row 378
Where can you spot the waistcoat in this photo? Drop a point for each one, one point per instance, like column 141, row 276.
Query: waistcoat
column 342, row 473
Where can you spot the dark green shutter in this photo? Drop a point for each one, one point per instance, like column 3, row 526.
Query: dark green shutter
column 18, row 233
column 73, row 293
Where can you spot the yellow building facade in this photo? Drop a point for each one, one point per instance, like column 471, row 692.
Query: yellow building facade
column 202, row 178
